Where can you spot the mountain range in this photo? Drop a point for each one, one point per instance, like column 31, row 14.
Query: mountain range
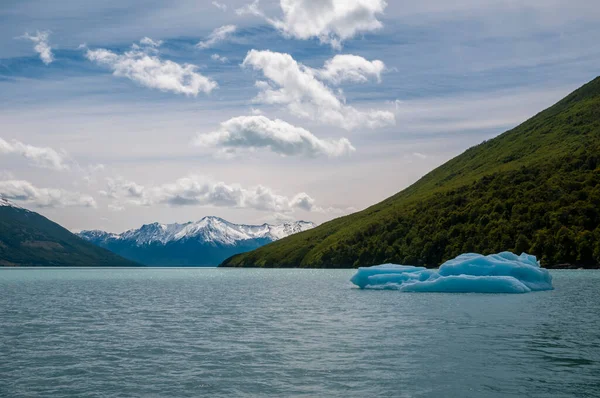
column 206, row 242
column 534, row 189
column 30, row 239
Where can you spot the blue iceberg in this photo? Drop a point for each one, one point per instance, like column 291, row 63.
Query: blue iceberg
column 468, row 273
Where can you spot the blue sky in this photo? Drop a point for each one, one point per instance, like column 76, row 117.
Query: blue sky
column 91, row 144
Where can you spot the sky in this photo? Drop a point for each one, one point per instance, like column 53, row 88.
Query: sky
column 115, row 114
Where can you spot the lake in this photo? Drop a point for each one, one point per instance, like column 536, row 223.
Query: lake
column 250, row 332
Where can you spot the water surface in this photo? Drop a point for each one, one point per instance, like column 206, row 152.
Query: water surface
column 230, row 332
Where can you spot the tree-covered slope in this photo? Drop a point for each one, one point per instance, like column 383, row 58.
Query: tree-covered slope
column 29, row 239
column 534, row 188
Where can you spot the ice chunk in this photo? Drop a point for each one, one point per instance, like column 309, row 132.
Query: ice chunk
column 361, row 279
column 468, row 273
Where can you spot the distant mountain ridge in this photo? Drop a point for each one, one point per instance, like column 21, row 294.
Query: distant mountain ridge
column 206, row 242
column 30, row 239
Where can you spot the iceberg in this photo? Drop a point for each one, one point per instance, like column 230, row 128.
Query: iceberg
column 468, row 273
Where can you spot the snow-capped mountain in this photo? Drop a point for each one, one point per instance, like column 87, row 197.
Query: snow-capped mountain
column 205, row 242
column 208, row 230
column 8, row 203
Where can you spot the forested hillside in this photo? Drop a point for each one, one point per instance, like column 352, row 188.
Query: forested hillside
column 532, row 189
column 29, row 239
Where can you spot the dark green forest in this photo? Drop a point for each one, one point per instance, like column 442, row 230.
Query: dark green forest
column 29, row 239
column 532, row 189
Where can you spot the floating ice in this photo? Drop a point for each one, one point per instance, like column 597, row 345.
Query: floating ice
column 468, row 273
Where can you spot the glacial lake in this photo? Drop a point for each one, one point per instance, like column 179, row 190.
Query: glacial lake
column 229, row 332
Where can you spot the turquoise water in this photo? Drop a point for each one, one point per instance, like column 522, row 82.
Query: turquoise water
column 227, row 332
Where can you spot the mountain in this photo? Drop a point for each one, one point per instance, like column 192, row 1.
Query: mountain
column 532, row 189
column 203, row 243
column 29, row 239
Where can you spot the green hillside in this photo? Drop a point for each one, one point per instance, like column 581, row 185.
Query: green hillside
column 534, row 188
column 29, row 239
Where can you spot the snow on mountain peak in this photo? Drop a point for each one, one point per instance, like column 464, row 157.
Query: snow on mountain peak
column 208, row 229
column 7, row 203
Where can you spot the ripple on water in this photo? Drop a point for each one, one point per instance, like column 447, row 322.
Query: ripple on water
column 190, row 332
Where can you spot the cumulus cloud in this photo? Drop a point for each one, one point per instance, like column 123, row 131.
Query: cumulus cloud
column 253, row 132
column 352, row 68
column 118, row 187
column 218, row 35
column 199, row 191
column 303, row 201
column 39, row 156
column 42, row 45
column 217, row 57
column 24, row 191
column 220, row 6
column 296, row 86
column 143, row 65
column 330, row 21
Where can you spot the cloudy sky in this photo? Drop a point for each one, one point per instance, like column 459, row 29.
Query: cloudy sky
column 119, row 113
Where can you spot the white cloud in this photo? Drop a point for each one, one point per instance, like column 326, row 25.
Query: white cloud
column 250, row 8
column 303, row 201
column 253, row 132
column 146, row 41
column 118, row 187
column 330, row 21
column 199, row 191
column 24, row 191
column 218, row 35
column 42, row 46
column 350, row 68
column 296, row 86
column 144, row 66
column 39, row 156
column 220, row 6
column 306, row 203
column 217, row 57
